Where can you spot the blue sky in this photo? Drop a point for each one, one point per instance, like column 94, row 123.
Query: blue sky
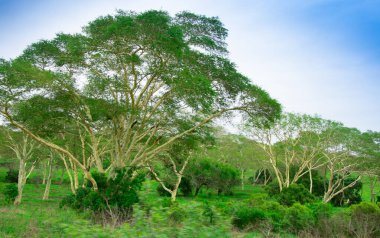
column 316, row 57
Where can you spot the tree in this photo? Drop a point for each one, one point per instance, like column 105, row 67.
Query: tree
column 341, row 155
column 141, row 76
column 293, row 141
column 23, row 150
column 209, row 173
column 238, row 151
column 369, row 149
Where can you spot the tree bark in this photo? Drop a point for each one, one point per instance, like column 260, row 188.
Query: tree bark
column 21, row 182
column 48, row 180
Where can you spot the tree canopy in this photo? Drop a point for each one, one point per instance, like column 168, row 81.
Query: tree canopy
column 141, row 80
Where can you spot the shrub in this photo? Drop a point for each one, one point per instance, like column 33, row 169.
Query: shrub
column 321, row 210
column 295, row 193
column 12, row 176
column 114, row 199
column 298, row 217
column 247, row 217
column 176, row 214
column 258, row 199
column 10, row 193
column 365, row 220
column 212, row 174
column 209, row 213
column 275, row 213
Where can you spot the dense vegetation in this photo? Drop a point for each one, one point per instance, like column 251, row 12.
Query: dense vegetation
column 110, row 133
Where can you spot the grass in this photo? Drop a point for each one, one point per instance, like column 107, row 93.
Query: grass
column 38, row 218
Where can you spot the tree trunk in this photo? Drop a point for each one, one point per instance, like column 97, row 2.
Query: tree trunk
column 76, row 181
column 21, row 182
column 311, row 181
column 69, row 174
column 44, row 173
column 48, row 180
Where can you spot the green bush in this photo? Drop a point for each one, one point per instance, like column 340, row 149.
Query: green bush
column 321, row 210
column 248, row 217
column 212, row 174
column 298, row 217
column 12, row 176
column 176, row 214
column 10, row 193
column 295, row 193
column 114, row 197
column 275, row 213
column 209, row 213
column 365, row 220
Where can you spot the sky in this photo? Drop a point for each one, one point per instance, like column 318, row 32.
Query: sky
column 319, row 57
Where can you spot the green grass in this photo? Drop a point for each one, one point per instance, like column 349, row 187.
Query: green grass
column 38, row 218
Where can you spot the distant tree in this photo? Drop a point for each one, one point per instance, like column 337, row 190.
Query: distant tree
column 369, row 149
column 238, row 151
column 293, row 141
column 206, row 172
column 341, row 155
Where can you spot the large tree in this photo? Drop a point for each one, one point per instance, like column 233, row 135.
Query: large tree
column 131, row 84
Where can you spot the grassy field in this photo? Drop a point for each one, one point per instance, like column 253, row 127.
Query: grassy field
column 38, row 218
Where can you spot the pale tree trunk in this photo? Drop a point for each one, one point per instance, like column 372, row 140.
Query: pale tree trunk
column 75, row 173
column 333, row 189
column 311, row 180
column 179, row 174
column 267, row 177
column 259, row 172
column 23, row 151
column 44, row 173
column 21, row 182
column 69, row 174
column 22, row 177
column 48, row 180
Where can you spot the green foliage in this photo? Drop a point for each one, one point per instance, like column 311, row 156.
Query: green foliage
column 12, row 176
column 162, row 192
column 10, row 193
column 118, row 193
column 321, row 210
column 177, row 214
column 248, row 217
column 209, row 212
column 261, row 176
column 212, row 174
column 185, row 187
column 318, row 183
column 365, row 219
column 295, row 193
column 299, row 217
